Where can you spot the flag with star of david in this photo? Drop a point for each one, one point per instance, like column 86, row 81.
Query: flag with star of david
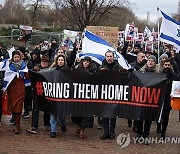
column 170, row 31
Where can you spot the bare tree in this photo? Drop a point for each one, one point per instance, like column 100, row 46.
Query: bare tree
column 33, row 7
column 13, row 11
column 81, row 13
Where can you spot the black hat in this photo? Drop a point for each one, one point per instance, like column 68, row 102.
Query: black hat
column 36, row 51
column 16, row 53
column 22, row 49
column 137, row 45
column 87, row 58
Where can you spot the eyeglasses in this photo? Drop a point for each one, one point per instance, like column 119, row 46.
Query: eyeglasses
column 167, row 64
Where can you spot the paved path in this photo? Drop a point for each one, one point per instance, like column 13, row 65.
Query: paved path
column 69, row 143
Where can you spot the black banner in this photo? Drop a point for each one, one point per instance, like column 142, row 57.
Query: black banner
column 135, row 95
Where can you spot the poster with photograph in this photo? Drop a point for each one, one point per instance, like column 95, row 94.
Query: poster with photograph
column 175, row 92
column 25, row 33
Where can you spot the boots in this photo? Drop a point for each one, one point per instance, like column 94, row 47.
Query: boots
column 17, row 118
column 81, row 134
column 78, row 130
column 158, row 130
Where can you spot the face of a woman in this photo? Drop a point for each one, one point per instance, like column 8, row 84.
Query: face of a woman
column 60, row 61
column 16, row 58
column 86, row 63
column 60, row 52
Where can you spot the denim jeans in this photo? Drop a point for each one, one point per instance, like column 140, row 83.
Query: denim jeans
column 109, row 125
column 54, row 122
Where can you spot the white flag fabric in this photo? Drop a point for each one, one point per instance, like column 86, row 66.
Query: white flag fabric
column 95, row 47
column 11, row 72
column 10, row 51
column 147, row 31
column 170, row 31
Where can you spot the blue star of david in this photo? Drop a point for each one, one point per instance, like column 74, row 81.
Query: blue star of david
column 178, row 35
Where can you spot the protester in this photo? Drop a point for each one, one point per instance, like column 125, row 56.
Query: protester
column 53, row 47
column 150, row 66
column 171, row 75
column 45, row 63
column 109, row 124
column 35, row 58
column 84, row 122
column 60, row 64
column 15, row 72
column 138, row 64
column 28, row 88
column 3, row 55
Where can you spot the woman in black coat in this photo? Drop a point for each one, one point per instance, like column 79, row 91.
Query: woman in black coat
column 84, row 122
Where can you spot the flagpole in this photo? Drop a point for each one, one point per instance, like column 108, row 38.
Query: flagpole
column 158, row 36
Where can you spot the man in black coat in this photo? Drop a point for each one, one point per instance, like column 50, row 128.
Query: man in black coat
column 171, row 75
column 109, row 124
column 140, row 61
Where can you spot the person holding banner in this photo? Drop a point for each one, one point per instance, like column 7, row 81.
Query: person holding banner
column 84, row 122
column 44, row 64
column 150, row 66
column 60, row 64
column 109, row 124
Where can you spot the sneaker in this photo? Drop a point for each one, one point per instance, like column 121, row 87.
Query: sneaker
column 134, row 129
column 12, row 120
column 146, row 141
column 33, row 130
column 25, row 115
column 163, row 136
column 112, row 136
column 52, row 134
column 105, row 136
column 63, row 128
column 100, row 127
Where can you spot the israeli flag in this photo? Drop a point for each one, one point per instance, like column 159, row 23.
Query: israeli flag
column 95, row 47
column 11, row 72
column 170, row 31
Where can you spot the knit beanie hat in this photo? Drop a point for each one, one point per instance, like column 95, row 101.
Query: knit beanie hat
column 153, row 58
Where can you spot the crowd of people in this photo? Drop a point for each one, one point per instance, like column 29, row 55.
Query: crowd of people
column 48, row 55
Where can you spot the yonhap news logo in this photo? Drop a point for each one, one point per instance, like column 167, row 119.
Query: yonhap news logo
column 124, row 139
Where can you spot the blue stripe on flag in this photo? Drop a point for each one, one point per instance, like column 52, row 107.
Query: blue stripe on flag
column 169, row 38
column 100, row 57
column 169, row 18
column 96, row 39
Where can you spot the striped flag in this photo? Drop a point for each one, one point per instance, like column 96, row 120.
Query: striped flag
column 147, row 31
column 170, row 31
column 95, row 47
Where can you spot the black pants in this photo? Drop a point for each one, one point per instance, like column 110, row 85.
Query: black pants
column 28, row 99
column 35, row 116
column 147, row 127
column 165, row 120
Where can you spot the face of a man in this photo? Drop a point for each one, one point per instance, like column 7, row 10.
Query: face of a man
column 109, row 57
column 167, row 66
column 53, row 41
column 136, row 49
column 151, row 63
column 129, row 48
column 140, row 57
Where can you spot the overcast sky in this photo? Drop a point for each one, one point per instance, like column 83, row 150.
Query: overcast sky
column 143, row 6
